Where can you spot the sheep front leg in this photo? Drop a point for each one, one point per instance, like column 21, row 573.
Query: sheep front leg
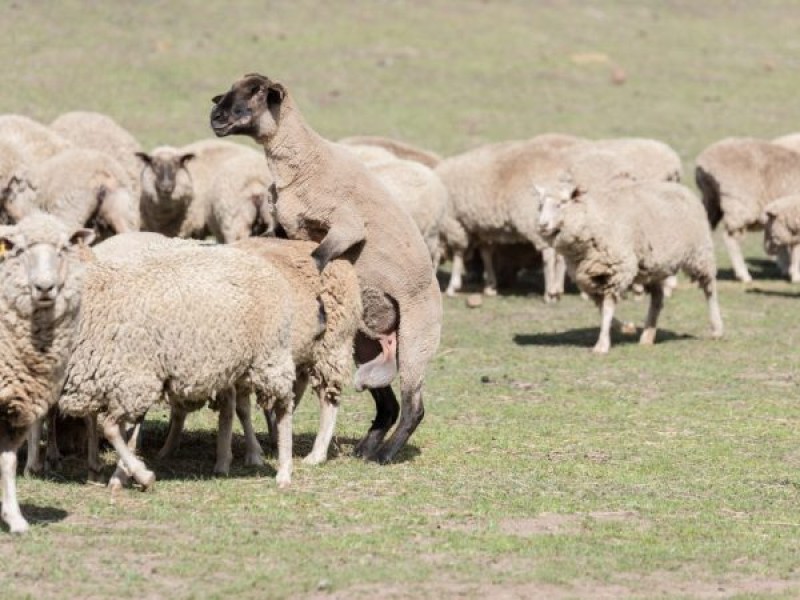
column 346, row 230
column 177, row 419
column 10, row 441
column 411, row 415
column 328, row 409
column 53, row 454
column 710, row 290
column 387, row 410
column 225, row 432
column 254, row 454
column 283, row 417
column 489, row 276
column 129, row 463
column 735, row 253
column 794, row 264
column 93, row 450
column 34, row 465
column 607, row 306
column 456, row 273
column 549, row 271
column 656, row 303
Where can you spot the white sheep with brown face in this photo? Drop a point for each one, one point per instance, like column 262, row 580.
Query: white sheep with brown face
column 41, row 277
column 640, row 233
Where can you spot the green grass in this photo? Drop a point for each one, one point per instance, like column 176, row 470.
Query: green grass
column 690, row 444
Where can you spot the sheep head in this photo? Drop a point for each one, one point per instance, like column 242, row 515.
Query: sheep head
column 552, row 204
column 251, row 107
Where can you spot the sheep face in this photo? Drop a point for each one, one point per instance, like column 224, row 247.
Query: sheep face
column 16, row 194
column 38, row 258
column 165, row 177
column 552, row 203
column 251, row 107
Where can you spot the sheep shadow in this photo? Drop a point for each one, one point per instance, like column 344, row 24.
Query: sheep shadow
column 778, row 293
column 760, row 269
column 40, row 515
column 587, row 336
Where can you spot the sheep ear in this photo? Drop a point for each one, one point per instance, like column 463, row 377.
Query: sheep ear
column 216, row 99
column 275, row 94
column 145, row 158
column 8, row 239
column 82, row 237
column 186, row 158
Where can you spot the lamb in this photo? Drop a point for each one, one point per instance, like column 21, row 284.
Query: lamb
column 326, row 195
column 782, row 234
column 42, row 276
column 81, row 187
column 175, row 185
column 100, row 132
column 36, row 141
column 241, row 203
column 489, row 191
column 397, row 148
column 416, row 187
column 738, row 177
column 138, row 341
column 637, row 233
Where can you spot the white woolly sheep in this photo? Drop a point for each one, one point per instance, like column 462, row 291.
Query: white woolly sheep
column 638, row 233
column 176, row 182
column 782, row 234
column 14, row 181
column 137, row 340
column 791, row 141
column 396, row 148
column 325, row 194
column 100, row 132
column 738, row 177
column 36, row 141
column 41, row 276
column 81, row 187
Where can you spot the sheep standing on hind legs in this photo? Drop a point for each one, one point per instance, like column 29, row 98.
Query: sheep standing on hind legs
column 41, row 277
column 326, row 195
column 640, row 233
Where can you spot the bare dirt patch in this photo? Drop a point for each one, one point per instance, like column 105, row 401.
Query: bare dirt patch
column 563, row 524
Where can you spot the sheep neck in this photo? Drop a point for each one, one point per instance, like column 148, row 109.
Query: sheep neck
column 295, row 152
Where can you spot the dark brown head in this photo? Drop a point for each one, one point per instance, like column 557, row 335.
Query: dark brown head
column 251, row 107
column 163, row 169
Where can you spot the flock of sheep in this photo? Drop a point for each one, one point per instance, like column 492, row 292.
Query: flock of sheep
column 326, row 253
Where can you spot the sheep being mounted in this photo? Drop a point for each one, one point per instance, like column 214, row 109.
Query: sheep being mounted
column 326, row 195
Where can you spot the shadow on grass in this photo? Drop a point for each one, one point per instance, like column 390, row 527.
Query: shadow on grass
column 42, row 515
column 760, row 269
column 780, row 293
column 587, row 336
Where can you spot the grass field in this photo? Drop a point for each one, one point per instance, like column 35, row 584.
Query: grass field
column 540, row 470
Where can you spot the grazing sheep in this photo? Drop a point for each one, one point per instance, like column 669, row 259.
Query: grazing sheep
column 100, row 132
column 638, row 233
column 175, row 185
column 738, row 177
column 326, row 195
column 81, row 187
column 241, row 202
column 782, row 234
column 41, row 276
column 36, row 141
column 138, row 340
column 396, row 148
column 416, row 187
column 490, row 203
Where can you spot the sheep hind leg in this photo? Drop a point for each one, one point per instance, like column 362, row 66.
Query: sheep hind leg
column 328, row 409
column 10, row 441
column 489, row 275
column 253, row 454
column 456, row 273
column 298, row 389
column 710, row 290
column 53, row 454
column 177, row 419
column 794, row 263
column 387, row 410
column 607, row 305
column 735, row 253
column 656, row 304
column 227, row 404
column 283, row 417
column 93, row 450
column 34, row 465
column 411, row 415
column 550, row 269
column 128, row 462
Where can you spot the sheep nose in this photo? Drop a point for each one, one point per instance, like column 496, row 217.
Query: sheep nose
column 44, row 289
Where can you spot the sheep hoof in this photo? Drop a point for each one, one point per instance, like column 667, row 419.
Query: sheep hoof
column 16, row 525
column 489, row 291
column 221, row 470
column 717, row 334
column 551, row 298
column 283, row 480
column 384, row 457
column 254, row 459
column 313, row 459
column 628, row 328
column 450, row 293
column 601, row 349
column 146, row 479
column 33, row 471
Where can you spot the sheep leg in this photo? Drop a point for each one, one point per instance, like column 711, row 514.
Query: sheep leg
column 656, row 303
column 489, row 276
column 386, row 412
column 328, row 408
column 93, row 449
column 670, row 285
column 381, row 370
column 412, row 413
column 549, row 271
column 794, row 265
column 299, row 388
column 53, row 454
column 560, row 274
column 607, row 306
column 34, row 465
column 225, row 432
column 783, row 260
column 10, row 441
column 129, row 463
column 456, row 273
column 253, row 454
column 710, row 290
column 283, row 417
column 346, row 230
column 177, row 419
column 735, row 253
column 122, row 477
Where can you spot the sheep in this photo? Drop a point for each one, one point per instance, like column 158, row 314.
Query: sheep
column 36, row 141
column 641, row 233
column 396, row 148
column 782, row 234
column 14, row 181
column 790, row 141
column 100, row 132
column 738, row 177
column 138, row 340
column 241, row 203
column 41, row 273
column 416, row 187
column 489, row 191
column 326, row 195
column 175, row 183
column 81, row 187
